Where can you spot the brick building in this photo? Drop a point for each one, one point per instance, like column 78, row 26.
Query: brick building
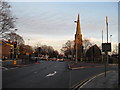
column 6, row 49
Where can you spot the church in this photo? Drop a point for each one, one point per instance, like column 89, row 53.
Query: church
column 78, row 42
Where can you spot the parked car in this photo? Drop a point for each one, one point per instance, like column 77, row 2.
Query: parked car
column 34, row 58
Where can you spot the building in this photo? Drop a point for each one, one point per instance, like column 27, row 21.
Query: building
column 7, row 50
column 7, row 46
column 93, row 54
column 78, row 41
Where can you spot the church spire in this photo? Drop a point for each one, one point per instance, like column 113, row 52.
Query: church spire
column 78, row 31
column 78, row 41
column 78, row 35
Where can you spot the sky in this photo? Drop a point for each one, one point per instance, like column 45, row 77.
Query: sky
column 52, row 23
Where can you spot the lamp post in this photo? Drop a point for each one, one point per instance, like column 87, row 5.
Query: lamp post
column 76, row 47
column 102, row 42
column 106, row 61
column 111, row 42
column 76, row 52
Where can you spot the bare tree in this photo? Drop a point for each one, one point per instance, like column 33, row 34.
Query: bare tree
column 6, row 19
column 115, row 49
column 46, row 50
column 68, row 48
column 86, row 44
column 15, row 37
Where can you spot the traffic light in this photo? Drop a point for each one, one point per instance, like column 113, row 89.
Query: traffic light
column 15, row 44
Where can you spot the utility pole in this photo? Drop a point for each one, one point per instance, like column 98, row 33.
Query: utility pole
column 107, row 35
column 119, row 66
column 106, row 61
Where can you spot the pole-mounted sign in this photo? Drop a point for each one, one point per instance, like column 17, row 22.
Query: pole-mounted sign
column 106, row 47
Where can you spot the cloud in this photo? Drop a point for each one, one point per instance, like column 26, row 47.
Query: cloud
column 52, row 24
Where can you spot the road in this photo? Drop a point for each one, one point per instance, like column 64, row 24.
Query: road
column 47, row 74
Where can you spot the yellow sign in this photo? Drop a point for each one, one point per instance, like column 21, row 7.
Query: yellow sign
column 15, row 62
column 27, row 53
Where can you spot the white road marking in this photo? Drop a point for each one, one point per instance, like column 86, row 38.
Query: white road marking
column 51, row 74
column 93, row 78
column 8, row 69
column 5, row 68
column 35, row 72
column 13, row 68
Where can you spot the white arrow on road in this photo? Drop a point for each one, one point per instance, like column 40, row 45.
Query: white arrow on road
column 4, row 68
column 51, row 74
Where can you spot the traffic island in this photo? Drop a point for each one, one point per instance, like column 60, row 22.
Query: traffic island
column 82, row 65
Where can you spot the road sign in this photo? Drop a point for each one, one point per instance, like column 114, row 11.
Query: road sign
column 106, row 47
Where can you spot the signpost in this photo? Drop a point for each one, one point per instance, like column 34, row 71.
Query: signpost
column 106, row 47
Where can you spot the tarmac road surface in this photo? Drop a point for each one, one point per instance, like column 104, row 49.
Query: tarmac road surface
column 47, row 74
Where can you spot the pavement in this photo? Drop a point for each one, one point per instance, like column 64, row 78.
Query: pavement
column 8, row 64
column 100, row 81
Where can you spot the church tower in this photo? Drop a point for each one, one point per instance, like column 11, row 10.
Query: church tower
column 78, row 41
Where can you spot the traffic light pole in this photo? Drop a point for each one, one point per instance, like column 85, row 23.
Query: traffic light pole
column 15, row 45
column 14, row 53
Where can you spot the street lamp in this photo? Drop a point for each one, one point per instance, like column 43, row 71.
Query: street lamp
column 16, row 29
column 111, row 38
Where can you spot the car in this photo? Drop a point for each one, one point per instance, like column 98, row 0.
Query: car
column 34, row 58
column 61, row 60
column 53, row 59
